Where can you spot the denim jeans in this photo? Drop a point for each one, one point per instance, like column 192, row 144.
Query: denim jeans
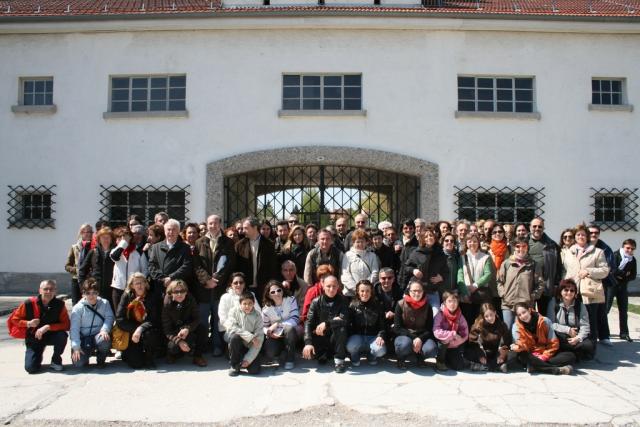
column 35, row 349
column 209, row 318
column 508, row 317
column 404, row 347
column 357, row 344
column 88, row 345
column 434, row 302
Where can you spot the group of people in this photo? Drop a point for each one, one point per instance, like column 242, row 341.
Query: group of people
column 480, row 296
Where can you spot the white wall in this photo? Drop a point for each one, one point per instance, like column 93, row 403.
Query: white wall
column 234, row 93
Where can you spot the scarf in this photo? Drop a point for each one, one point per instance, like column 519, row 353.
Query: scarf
column 519, row 262
column 580, row 252
column 532, row 326
column 129, row 249
column 499, row 250
column 136, row 310
column 625, row 259
column 452, row 318
column 416, row 305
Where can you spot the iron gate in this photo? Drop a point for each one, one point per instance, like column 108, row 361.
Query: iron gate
column 318, row 194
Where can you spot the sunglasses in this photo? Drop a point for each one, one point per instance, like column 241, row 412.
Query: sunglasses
column 571, row 290
column 567, row 237
column 276, row 291
column 449, row 241
column 179, row 292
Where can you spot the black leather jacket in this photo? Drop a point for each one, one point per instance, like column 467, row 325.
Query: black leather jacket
column 366, row 318
column 336, row 315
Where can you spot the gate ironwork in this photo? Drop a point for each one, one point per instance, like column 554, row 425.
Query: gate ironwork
column 319, row 194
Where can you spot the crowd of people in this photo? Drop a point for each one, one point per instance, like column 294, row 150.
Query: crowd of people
column 482, row 296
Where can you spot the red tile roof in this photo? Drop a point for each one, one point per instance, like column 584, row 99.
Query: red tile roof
column 629, row 9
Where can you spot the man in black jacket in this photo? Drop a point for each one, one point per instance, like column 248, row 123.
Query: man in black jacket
column 213, row 263
column 325, row 331
column 170, row 260
column 256, row 257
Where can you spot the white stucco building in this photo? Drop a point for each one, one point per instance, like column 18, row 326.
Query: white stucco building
column 499, row 109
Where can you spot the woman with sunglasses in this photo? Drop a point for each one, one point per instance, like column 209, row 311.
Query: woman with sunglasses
column 231, row 299
column 571, row 321
column 281, row 320
column 567, row 238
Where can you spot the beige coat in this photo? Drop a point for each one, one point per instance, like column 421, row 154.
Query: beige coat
column 595, row 263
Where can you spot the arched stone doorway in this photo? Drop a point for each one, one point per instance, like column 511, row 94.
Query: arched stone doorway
column 264, row 176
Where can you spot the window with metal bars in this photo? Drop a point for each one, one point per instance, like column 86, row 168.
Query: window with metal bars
column 31, row 206
column 496, row 94
column 118, row 203
column 615, row 209
column 36, row 91
column 321, row 92
column 148, row 93
column 607, row 91
column 501, row 204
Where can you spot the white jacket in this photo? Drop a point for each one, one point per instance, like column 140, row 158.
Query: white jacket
column 358, row 265
column 229, row 301
column 286, row 314
column 124, row 268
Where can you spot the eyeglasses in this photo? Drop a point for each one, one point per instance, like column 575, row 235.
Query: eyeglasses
column 573, row 291
column 594, row 233
column 567, row 237
column 498, row 232
column 276, row 291
column 91, row 293
column 179, row 292
column 449, row 241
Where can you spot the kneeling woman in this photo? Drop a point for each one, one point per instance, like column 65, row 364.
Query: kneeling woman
column 244, row 328
column 137, row 315
column 537, row 345
column 413, row 326
column 571, row 321
column 91, row 322
column 181, row 324
column 366, row 325
column 451, row 330
column 489, row 341
column 281, row 321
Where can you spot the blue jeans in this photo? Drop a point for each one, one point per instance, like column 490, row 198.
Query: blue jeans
column 209, row 318
column 35, row 349
column 357, row 344
column 508, row 317
column 88, row 345
column 404, row 347
column 434, row 302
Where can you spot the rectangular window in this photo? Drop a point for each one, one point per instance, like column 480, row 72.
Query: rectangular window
column 121, row 202
column 496, row 94
column 607, row 91
column 148, row 93
column 503, row 205
column 322, row 92
column 31, row 206
column 36, row 91
column 615, row 209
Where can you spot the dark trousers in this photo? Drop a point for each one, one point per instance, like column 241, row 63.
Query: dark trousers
column 76, row 295
column 470, row 311
column 583, row 351
column 598, row 322
column 621, row 294
column 274, row 347
column 561, row 358
column 473, row 353
column 116, row 294
column 209, row 317
column 452, row 357
column 142, row 353
column 35, row 348
column 197, row 341
column 332, row 343
column 237, row 350
column 543, row 304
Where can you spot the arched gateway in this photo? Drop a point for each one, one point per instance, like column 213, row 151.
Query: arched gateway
column 315, row 182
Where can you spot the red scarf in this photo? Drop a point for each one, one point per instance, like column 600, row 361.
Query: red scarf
column 416, row 305
column 127, row 251
column 452, row 318
column 499, row 251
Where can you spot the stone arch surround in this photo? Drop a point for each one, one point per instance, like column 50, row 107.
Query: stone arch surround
column 325, row 155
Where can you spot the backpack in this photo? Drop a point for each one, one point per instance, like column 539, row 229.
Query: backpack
column 33, row 311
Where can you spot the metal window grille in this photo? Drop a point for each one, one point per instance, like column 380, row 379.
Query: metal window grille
column 37, row 91
column 321, row 92
column 118, row 203
column 615, row 209
column 148, row 93
column 504, row 204
column 31, row 206
column 318, row 194
column 606, row 91
column 495, row 94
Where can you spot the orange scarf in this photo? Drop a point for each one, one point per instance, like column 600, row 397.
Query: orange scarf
column 499, row 250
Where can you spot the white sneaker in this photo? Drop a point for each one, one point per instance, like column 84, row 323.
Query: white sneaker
column 606, row 342
column 118, row 355
column 56, row 367
column 289, row 366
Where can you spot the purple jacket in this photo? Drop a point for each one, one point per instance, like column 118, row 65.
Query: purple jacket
column 443, row 334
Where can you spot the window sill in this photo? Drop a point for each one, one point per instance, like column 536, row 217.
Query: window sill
column 497, row 115
column 34, row 109
column 322, row 113
column 145, row 114
column 600, row 107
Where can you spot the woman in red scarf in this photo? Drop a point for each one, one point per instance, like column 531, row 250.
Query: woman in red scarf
column 451, row 330
column 413, row 326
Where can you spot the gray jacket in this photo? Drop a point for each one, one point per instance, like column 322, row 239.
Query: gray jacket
column 565, row 318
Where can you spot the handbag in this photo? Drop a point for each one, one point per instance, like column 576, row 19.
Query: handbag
column 33, row 312
column 481, row 295
column 119, row 338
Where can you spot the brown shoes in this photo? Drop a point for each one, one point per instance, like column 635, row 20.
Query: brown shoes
column 199, row 361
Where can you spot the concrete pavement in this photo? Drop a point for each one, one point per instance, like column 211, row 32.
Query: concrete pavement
column 603, row 392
